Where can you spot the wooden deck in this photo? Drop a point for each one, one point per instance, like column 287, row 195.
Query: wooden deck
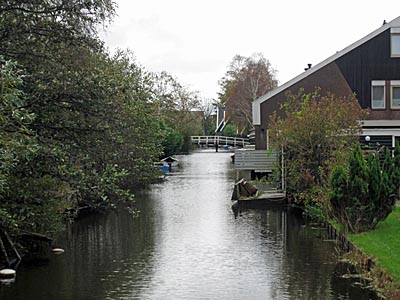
column 258, row 160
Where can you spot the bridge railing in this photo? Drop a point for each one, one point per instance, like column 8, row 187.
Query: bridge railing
column 220, row 140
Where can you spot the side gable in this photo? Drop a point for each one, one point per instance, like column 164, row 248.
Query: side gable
column 329, row 79
column 344, row 65
column 370, row 61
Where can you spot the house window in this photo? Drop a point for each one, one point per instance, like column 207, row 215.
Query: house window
column 395, row 94
column 378, row 94
column 395, row 42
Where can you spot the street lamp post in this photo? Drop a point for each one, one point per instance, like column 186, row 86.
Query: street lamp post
column 367, row 140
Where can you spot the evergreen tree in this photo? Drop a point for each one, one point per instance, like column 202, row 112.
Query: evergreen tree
column 364, row 197
column 394, row 175
column 376, row 189
column 339, row 194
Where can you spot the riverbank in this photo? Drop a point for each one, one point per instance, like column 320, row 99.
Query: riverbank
column 383, row 246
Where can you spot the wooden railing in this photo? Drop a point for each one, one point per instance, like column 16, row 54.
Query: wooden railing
column 220, row 140
column 261, row 160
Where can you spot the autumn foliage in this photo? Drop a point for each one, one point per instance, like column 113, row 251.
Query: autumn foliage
column 315, row 133
column 247, row 79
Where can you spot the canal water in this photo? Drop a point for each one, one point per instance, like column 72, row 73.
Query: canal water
column 187, row 244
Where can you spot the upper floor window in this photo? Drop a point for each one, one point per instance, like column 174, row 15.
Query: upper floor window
column 395, row 42
column 395, row 94
column 378, row 94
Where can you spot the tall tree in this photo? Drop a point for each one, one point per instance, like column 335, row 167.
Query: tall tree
column 47, row 40
column 93, row 129
column 30, row 28
column 246, row 79
column 178, row 106
column 208, row 107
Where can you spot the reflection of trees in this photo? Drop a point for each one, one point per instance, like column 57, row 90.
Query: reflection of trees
column 341, row 286
column 115, row 253
column 307, row 263
column 105, row 254
column 298, row 260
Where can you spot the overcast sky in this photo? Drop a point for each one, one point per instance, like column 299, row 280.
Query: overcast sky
column 196, row 40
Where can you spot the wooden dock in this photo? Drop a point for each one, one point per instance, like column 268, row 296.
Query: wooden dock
column 265, row 198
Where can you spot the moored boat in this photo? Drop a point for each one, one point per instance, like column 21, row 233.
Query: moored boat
column 248, row 195
column 170, row 161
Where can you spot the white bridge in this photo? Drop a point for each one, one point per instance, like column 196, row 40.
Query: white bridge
column 219, row 140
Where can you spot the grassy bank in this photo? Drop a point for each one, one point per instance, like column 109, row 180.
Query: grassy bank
column 383, row 244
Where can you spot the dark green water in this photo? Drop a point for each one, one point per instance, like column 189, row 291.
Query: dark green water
column 186, row 244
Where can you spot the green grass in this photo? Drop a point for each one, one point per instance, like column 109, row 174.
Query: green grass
column 383, row 244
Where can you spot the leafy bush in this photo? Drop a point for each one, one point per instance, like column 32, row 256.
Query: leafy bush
column 172, row 141
column 309, row 128
column 314, row 213
column 230, row 130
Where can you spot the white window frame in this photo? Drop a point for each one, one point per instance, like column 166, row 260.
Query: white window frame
column 393, row 84
column 394, row 32
column 378, row 83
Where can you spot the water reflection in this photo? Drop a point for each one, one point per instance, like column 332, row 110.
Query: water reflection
column 187, row 244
